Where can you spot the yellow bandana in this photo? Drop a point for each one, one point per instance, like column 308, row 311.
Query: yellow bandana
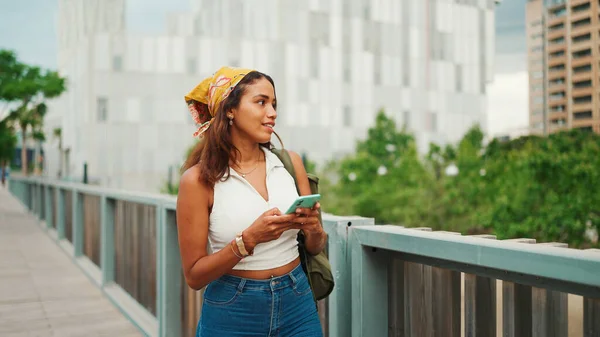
column 204, row 100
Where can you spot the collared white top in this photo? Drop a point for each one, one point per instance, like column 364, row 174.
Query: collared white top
column 237, row 204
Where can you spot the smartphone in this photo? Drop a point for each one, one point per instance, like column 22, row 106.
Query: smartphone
column 305, row 201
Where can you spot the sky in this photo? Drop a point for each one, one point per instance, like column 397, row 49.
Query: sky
column 35, row 43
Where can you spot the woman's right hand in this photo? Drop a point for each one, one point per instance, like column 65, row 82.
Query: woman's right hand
column 268, row 227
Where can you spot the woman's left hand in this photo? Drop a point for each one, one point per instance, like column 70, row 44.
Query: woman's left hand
column 308, row 218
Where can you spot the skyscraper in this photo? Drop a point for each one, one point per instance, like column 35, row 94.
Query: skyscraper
column 563, row 40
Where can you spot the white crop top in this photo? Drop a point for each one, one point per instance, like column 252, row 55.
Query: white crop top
column 236, row 204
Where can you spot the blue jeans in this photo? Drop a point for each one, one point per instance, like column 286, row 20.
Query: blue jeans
column 280, row 306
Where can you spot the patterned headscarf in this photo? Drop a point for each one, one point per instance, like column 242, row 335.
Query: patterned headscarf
column 204, row 100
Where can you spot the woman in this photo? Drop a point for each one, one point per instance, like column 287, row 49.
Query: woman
column 231, row 197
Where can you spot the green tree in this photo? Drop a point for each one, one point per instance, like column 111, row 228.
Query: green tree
column 8, row 142
column 384, row 179
column 29, row 87
column 545, row 187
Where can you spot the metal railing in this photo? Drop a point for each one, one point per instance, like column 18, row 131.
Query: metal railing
column 390, row 281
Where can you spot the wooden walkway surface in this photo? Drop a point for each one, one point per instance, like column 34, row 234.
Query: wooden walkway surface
column 42, row 292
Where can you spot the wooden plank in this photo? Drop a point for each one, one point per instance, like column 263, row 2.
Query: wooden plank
column 516, row 306
column 417, row 297
column 550, row 308
column 418, row 320
column 396, row 297
column 445, row 302
column 591, row 317
column 107, row 241
column 591, row 312
column 152, row 263
column 480, row 306
column 135, row 256
column 446, row 299
column 480, row 303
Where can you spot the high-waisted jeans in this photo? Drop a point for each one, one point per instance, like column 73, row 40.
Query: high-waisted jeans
column 280, row 306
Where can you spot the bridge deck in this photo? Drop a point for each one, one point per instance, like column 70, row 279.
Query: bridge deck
column 42, row 292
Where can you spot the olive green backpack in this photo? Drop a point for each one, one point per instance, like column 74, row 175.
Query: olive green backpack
column 316, row 267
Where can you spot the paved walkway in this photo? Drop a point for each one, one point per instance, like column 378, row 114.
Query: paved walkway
column 42, row 292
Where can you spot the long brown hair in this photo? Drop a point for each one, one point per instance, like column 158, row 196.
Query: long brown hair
column 214, row 152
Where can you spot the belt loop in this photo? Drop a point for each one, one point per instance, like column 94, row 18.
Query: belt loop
column 241, row 285
column 293, row 277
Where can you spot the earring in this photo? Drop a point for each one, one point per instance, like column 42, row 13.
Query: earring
column 230, row 121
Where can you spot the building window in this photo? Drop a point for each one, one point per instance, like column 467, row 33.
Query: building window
column 582, row 99
column 536, row 23
column 537, row 48
column 557, row 27
column 537, row 74
column 407, row 118
column 582, row 53
column 582, row 115
column 192, row 67
column 582, row 84
column 346, row 68
column 582, row 69
column 558, row 12
column 314, row 62
column 117, row 64
column 582, row 38
column 537, row 87
column 536, row 36
column 580, row 8
column 581, row 23
column 347, row 118
column 102, row 109
column 459, row 78
column 433, row 122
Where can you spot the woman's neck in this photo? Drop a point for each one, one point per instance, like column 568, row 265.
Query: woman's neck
column 250, row 152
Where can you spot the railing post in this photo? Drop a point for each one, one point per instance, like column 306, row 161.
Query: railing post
column 77, row 222
column 369, row 288
column 60, row 213
column 33, row 197
column 340, row 300
column 168, row 306
column 38, row 200
column 107, row 239
column 48, row 205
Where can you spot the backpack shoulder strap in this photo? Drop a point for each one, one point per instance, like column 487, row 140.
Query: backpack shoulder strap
column 285, row 158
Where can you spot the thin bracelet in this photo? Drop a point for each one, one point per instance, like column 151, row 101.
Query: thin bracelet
column 233, row 250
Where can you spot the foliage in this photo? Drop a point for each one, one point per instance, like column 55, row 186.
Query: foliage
column 8, row 142
column 540, row 187
column 29, row 87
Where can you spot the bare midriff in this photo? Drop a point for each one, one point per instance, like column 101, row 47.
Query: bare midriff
column 267, row 273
